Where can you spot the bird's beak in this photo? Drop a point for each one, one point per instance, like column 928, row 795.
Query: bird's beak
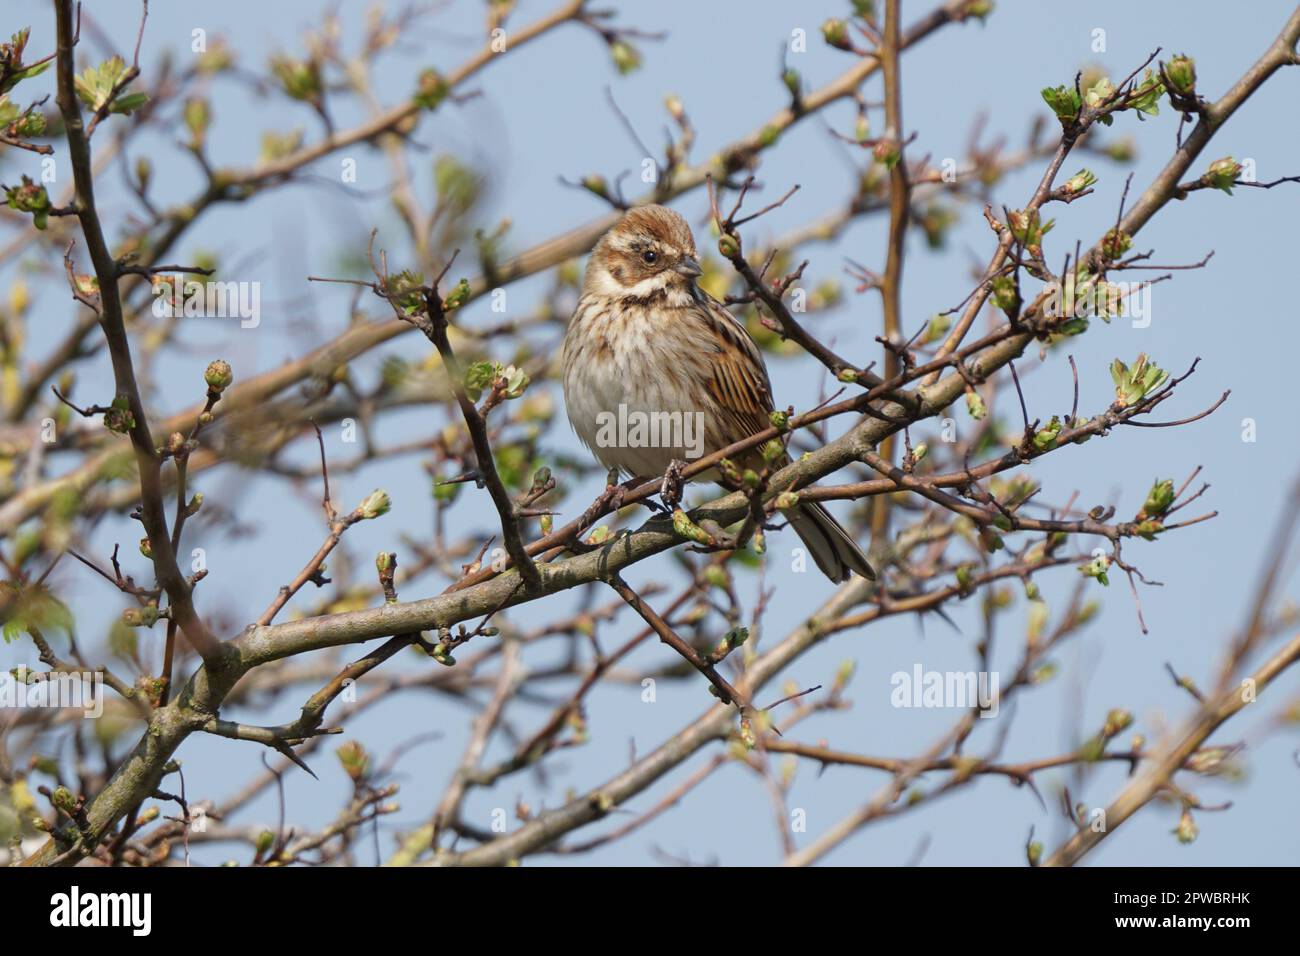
column 688, row 267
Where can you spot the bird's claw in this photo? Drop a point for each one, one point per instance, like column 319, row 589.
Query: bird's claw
column 670, row 491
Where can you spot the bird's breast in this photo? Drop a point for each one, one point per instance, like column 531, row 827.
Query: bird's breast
column 627, row 384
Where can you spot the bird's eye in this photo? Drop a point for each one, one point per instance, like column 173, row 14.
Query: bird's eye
column 649, row 257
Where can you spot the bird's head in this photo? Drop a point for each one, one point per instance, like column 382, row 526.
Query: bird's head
column 649, row 252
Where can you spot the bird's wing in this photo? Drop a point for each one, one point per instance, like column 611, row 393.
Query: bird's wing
column 739, row 382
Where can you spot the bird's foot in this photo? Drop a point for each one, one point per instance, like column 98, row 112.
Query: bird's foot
column 670, row 492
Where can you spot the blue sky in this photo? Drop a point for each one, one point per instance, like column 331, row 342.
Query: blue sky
column 543, row 115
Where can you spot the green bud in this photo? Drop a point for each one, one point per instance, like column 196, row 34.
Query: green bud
column 1099, row 93
column 1149, row 529
column 780, row 420
column 63, row 800
column 716, row 576
column 146, row 616
column 1134, row 384
column 1117, row 721
column 1209, row 760
column 218, row 375
column 1027, row 228
column 936, row 329
column 1004, row 294
column 376, row 504
column 1064, row 101
column 353, row 758
column 1097, row 568
column 517, row 381
column 1079, row 182
column 301, row 80
column 886, row 152
column 688, row 529
column 626, row 57
column 1037, row 622
column 1146, row 98
column 432, row 90
column 975, row 404
column 478, row 377
column 30, row 197
column 1181, row 73
column 836, row 32
column 1045, row 438
column 197, row 117
column 1115, row 243
column 965, row 577
column 265, row 840
column 458, row 296
column 1159, row 498
column 1223, row 174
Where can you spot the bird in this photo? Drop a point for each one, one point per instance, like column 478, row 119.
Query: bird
column 646, row 345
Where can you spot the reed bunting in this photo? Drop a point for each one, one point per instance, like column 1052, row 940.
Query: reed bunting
column 647, row 345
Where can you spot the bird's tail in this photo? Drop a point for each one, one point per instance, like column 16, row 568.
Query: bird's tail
column 835, row 552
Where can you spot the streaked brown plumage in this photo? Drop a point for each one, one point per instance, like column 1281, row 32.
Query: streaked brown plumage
column 644, row 336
